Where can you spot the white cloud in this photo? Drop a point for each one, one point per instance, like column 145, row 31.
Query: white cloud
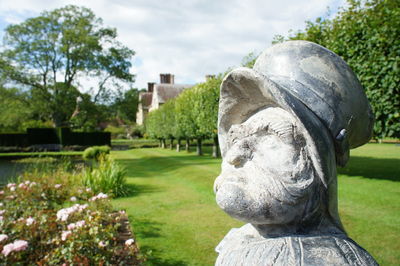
column 187, row 38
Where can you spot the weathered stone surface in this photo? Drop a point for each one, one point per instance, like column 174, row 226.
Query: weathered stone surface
column 283, row 127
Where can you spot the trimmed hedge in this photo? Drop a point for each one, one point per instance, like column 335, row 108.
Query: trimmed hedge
column 14, row 140
column 42, row 136
column 69, row 138
column 63, row 136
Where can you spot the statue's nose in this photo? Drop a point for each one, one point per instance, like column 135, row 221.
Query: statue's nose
column 238, row 155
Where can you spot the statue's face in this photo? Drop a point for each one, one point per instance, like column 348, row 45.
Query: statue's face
column 266, row 176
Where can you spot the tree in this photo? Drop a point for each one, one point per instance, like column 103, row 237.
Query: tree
column 153, row 126
column 13, row 109
column 185, row 117
column 366, row 35
column 48, row 53
column 206, row 107
column 125, row 105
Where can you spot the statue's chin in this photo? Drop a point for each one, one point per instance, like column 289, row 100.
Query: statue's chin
column 234, row 201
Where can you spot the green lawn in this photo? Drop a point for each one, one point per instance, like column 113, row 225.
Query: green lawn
column 173, row 212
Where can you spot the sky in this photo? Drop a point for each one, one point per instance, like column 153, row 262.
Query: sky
column 187, row 38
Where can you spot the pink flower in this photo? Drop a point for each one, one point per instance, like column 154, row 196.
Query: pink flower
column 129, row 242
column 65, row 235
column 23, row 186
column 12, row 188
column 63, row 214
column 1, row 192
column 30, row 221
column 10, row 185
column 57, row 185
column 71, row 226
column 20, row 245
column 7, row 249
column 99, row 196
column 102, row 244
column 73, row 199
column 2, row 212
column 3, row 237
column 80, row 223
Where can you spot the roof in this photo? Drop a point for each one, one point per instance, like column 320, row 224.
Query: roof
column 145, row 99
column 164, row 92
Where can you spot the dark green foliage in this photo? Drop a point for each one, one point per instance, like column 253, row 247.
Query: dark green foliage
column 14, row 140
column 366, row 35
column 42, row 136
column 14, row 110
column 63, row 136
column 48, row 53
column 125, row 105
column 70, row 138
column 95, row 152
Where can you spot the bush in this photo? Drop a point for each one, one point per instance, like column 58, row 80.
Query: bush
column 116, row 131
column 95, row 152
column 14, row 140
column 108, row 177
column 51, row 220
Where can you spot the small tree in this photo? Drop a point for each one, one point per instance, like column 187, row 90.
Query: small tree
column 185, row 117
column 206, row 107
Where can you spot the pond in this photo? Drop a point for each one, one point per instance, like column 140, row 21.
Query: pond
column 11, row 169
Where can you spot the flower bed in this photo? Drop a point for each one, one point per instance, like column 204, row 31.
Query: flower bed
column 50, row 220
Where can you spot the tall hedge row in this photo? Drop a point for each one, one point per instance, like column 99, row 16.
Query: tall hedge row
column 192, row 115
column 63, row 136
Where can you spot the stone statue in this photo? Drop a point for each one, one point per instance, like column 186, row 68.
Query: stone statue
column 283, row 127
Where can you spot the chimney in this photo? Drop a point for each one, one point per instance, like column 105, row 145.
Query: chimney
column 208, row 77
column 167, row 78
column 150, row 86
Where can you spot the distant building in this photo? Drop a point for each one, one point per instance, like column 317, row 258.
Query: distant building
column 157, row 95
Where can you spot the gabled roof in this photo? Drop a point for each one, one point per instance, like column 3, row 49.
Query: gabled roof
column 145, row 99
column 165, row 91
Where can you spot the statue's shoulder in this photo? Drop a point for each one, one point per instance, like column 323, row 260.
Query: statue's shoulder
column 244, row 246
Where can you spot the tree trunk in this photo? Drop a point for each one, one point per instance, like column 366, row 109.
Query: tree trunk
column 159, row 143
column 171, row 144
column 215, row 153
column 187, row 146
column 199, row 149
column 163, row 144
column 178, row 145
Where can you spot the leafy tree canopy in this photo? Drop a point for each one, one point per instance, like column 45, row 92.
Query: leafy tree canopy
column 48, row 53
column 366, row 35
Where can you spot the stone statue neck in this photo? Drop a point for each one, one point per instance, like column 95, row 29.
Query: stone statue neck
column 323, row 227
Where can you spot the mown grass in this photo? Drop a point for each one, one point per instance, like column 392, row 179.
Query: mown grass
column 173, row 212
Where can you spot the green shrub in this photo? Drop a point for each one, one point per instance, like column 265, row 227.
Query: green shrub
column 95, row 152
column 115, row 131
column 56, row 221
column 107, row 177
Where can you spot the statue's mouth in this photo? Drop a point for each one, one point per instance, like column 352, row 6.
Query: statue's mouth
column 229, row 178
